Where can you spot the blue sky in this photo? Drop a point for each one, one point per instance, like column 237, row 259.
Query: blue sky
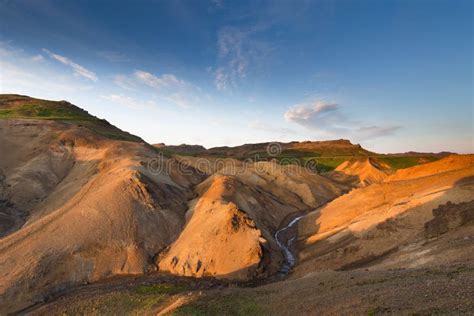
column 392, row 75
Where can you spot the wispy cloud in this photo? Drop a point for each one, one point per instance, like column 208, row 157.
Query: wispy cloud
column 163, row 81
column 328, row 119
column 125, row 82
column 128, row 101
column 8, row 50
column 37, row 58
column 370, row 132
column 181, row 99
column 307, row 113
column 115, row 57
column 167, row 87
column 78, row 69
column 25, row 77
column 238, row 50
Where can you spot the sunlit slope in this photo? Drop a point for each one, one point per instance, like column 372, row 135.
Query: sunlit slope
column 362, row 227
column 231, row 224
column 360, row 172
column 23, row 107
column 78, row 207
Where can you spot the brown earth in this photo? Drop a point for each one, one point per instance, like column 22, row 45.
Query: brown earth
column 89, row 209
column 360, row 172
column 424, row 291
column 81, row 207
column 382, row 223
column 82, row 201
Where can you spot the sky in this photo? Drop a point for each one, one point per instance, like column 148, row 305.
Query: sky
column 394, row 76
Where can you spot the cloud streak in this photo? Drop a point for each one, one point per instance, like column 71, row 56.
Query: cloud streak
column 328, row 119
column 166, row 87
column 159, row 82
column 128, row 101
column 77, row 69
column 238, row 51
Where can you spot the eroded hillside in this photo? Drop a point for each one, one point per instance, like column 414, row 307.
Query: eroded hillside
column 383, row 224
column 82, row 201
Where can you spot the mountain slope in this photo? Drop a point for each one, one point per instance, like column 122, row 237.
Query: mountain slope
column 14, row 106
column 360, row 172
column 90, row 209
column 82, row 201
column 366, row 225
column 81, row 206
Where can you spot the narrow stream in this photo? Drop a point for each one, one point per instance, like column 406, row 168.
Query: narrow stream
column 290, row 259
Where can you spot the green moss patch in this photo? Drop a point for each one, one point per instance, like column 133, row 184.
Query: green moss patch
column 228, row 304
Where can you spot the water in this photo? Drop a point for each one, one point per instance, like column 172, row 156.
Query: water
column 290, row 259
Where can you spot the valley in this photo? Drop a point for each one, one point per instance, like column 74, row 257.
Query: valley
column 94, row 220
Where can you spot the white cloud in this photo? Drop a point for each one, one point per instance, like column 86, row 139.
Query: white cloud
column 125, row 82
column 7, row 50
column 238, row 52
column 305, row 113
column 370, row 132
column 180, row 100
column 163, row 81
column 27, row 77
column 166, row 87
column 78, row 69
column 222, row 79
column 328, row 120
column 37, row 58
column 128, row 101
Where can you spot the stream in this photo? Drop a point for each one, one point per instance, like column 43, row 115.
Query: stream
column 290, row 259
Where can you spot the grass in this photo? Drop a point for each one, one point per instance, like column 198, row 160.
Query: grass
column 228, row 304
column 20, row 107
column 46, row 110
column 115, row 304
column 402, row 162
column 325, row 164
column 144, row 299
column 162, row 288
column 138, row 301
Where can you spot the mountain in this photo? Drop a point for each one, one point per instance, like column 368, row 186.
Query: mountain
column 182, row 149
column 360, row 172
column 384, row 224
column 80, row 206
column 79, row 200
column 83, row 202
column 324, row 155
column 14, row 106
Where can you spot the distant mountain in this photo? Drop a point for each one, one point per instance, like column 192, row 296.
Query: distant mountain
column 328, row 155
column 182, row 149
column 440, row 154
column 331, row 148
column 341, row 147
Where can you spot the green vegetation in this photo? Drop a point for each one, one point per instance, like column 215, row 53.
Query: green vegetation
column 325, row 164
column 38, row 111
column 21, row 107
column 138, row 301
column 228, row 304
column 285, row 154
column 162, row 288
column 119, row 303
column 402, row 162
